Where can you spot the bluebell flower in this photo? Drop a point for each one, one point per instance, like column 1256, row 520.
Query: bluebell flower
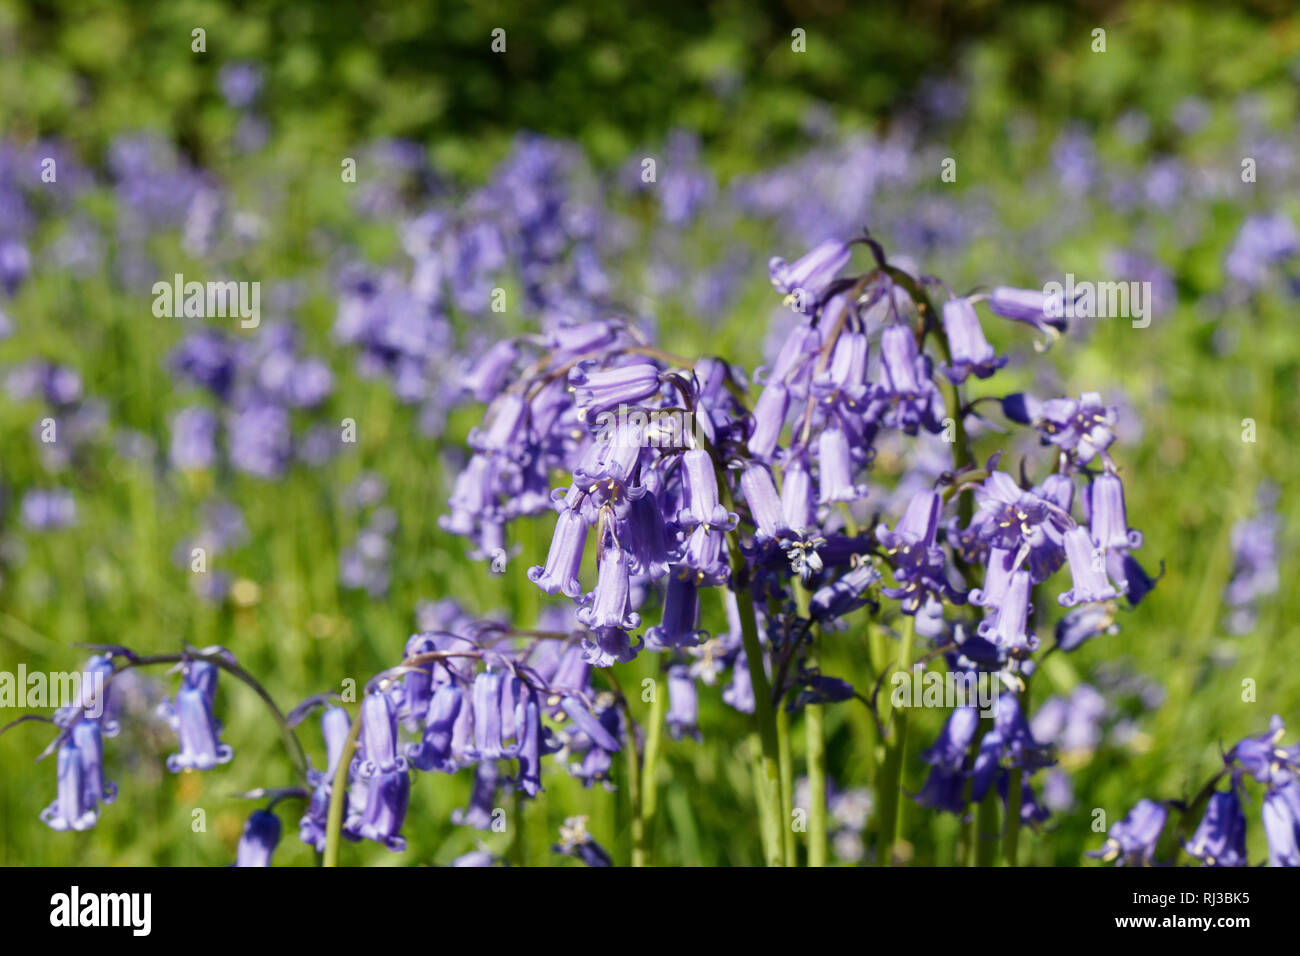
column 482, row 798
column 190, row 715
column 434, row 751
column 1132, row 841
column 258, row 841
column 971, row 352
column 678, row 627
column 1220, row 839
column 1263, row 756
column 387, row 796
column 73, row 808
column 1281, row 816
column 683, row 704
column 377, row 752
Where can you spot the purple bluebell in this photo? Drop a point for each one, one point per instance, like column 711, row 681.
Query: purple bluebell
column 907, row 398
column 563, row 562
column 1044, row 312
column 600, row 391
column 683, row 704
column 1008, row 625
column 945, row 786
column 1220, row 838
column 1084, row 623
column 971, row 352
column 1263, row 757
column 434, row 749
column 805, row 278
column 918, row 562
column 679, row 626
column 764, row 504
column 1086, row 567
column 1281, row 816
column 845, row 594
column 387, row 797
column 258, row 841
column 89, row 740
column 770, row 412
column 797, row 495
column 1082, row 427
column 240, row 83
column 608, row 606
column 190, row 715
column 378, row 747
column 835, row 468
column 72, row 809
column 1132, row 841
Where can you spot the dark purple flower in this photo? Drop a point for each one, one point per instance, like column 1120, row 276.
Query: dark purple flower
column 258, row 841
column 1220, row 839
column 1084, row 623
column 679, row 627
column 1084, row 427
column 1132, row 841
column 387, row 796
column 434, row 750
column 1263, row 756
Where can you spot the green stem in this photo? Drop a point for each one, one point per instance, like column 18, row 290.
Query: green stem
column 986, row 830
column 768, row 778
column 815, row 733
column 815, row 742
column 291, row 742
column 890, row 789
column 787, row 784
column 650, row 765
column 338, row 796
column 1011, row 835
column 634, row 797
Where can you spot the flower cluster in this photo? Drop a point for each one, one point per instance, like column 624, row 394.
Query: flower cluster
column 1220, row 837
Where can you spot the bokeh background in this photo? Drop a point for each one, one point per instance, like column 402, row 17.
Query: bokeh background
column 1118, row 164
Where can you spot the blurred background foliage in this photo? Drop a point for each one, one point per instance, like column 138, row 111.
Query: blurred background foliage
column 994, row 84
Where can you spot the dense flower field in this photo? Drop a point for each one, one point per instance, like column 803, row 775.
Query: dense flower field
column 921, row 491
